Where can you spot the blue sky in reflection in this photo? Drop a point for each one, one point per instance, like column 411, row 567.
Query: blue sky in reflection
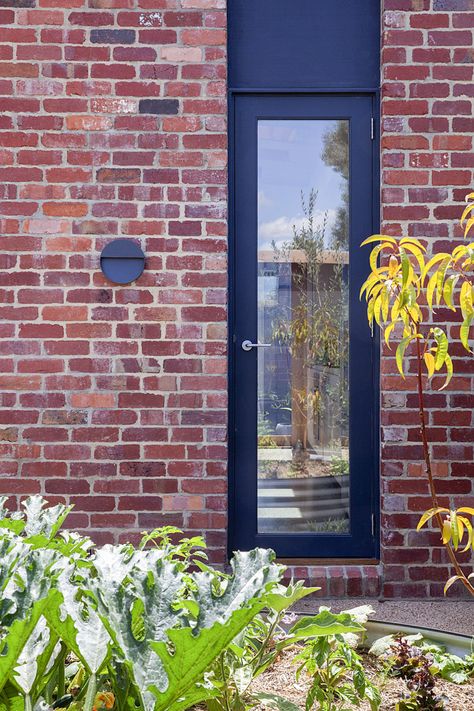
column 289, row 161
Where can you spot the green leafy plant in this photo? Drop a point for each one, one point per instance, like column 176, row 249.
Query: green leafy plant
column 403, row 291
column 253, row 651
column 339, row 466
column 117, row 627
column 257, row 648
column 409, row 662
column 446, row 665
column 338, row 679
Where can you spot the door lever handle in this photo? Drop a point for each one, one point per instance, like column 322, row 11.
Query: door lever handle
column 248, row 345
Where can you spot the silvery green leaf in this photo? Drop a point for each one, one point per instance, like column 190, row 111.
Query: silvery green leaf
column 136, row 593
column 79, row 624
column 242, row 677
column 221, row 618
column 26, row 596
column 253, row 573
column 26, row 669
column 43, row 519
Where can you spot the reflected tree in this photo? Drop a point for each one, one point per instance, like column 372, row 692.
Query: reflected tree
column 312, row 329
column 336, row 155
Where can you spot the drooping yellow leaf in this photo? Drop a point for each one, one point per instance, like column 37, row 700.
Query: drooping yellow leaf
column 401, row 348
column 434, row 260
column 370, row 312
column 449, row 370
column 442, row 347
column 454, row 529
column 374, row 256
column 469, row 529
column 417, row 253
column 469, row 254
column 375, row 290
column 448, row 289
column 377, row 309
column 378, row 238
column 413, row 241
column 400, row 352
column 415, row 313
column 469, row 224
column 450, row 582
column 429, row 514
column 373, row 278
column 385, row 303
column 440, row 276
column 469, row 207
column 388, row 331
column 466, row 509
column 459, row 251
column 465, row 300
column 464, row 332
column 430, row 290
column 446, row 533
column 405, row 268
column 430, row 363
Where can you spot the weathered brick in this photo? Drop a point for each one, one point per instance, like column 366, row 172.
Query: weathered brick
column 158, row 106
column 112, row 36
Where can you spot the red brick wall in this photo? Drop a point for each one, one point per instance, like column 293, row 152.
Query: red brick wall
column 427, row 169
column 113, row 124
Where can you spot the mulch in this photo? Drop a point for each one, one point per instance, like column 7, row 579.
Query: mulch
column 280, row 679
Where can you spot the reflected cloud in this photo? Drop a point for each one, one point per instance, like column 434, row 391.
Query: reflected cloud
column 282, row 227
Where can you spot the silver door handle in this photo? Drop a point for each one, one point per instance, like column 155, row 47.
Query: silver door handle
column 248, row 345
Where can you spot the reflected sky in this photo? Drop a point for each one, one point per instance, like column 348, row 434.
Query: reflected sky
column 289, row 161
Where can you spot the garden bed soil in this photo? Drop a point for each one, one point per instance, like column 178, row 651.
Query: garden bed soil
column 280, row 679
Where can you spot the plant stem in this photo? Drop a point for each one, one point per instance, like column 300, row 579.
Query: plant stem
column 224, row 679
column 61, row 678
column 429, row 471
column 90, row 695
column 28, row 704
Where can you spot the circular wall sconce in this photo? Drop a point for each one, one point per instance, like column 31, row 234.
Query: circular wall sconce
column 122, row 261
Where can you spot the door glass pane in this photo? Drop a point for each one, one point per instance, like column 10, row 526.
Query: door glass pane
column 303, row 253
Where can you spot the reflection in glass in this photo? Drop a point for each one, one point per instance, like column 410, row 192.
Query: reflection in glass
column 303, row 241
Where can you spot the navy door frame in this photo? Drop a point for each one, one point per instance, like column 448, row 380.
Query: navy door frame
column 245, row 107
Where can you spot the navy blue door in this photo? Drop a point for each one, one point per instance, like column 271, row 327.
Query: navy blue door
column 304, row 388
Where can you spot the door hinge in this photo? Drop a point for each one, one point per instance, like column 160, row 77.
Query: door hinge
column 373, row 524
column 372, row 128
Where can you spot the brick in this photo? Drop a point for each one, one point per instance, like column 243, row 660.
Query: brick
column 18, row 69
column 457, row 38
column 452, row 5
column 91, row 19
column 158, row 106
column 112, row 36
column 88, row 123
column 181, row 54
column 203, row 37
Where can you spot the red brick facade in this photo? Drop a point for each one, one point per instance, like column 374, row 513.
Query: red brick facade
column 113, row 123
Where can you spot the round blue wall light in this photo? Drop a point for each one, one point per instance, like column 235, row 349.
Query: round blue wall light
column 122, row 261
